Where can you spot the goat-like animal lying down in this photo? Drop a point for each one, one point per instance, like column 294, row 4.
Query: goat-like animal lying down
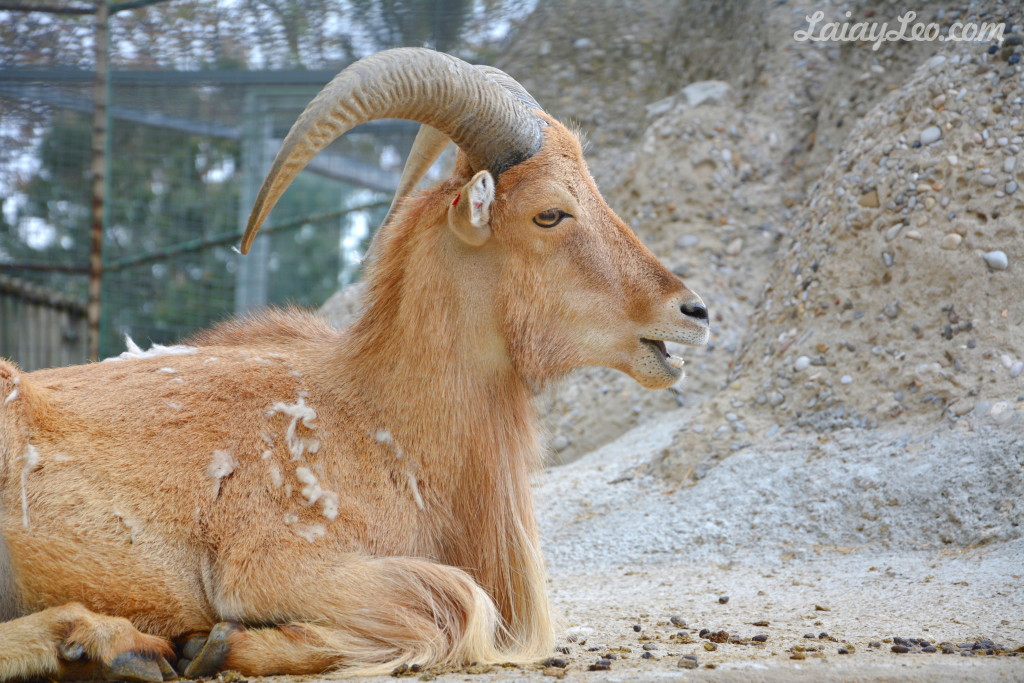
column 276, row 496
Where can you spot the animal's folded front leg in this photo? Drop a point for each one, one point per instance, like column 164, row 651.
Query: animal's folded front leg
column 72, row 643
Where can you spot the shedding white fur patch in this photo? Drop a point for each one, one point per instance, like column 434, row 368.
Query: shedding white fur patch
column 415, row 487
column 291, row 518
column 311, row 490
column 329, row 505
column 384, row 437
column 29, row 461
column 169, row 371
column 211, row 359
column 276, row 478
column 299, row 412
column 311, row 532
column 129, row 524
column 222, row 464
column 173, row 405
column 16, row 380
column 154, row 351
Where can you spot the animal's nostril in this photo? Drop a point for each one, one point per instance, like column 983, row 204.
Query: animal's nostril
column 695, row 310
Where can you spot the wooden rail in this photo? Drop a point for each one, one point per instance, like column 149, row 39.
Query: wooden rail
column 40, row 328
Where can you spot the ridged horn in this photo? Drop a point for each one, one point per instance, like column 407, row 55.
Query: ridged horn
column 492, row 126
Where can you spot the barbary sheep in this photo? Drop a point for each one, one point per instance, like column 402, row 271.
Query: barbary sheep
column 278, row 497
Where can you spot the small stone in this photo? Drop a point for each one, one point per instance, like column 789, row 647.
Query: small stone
column 988, row 180
column 869, row 200
column 846, row 379
column 687, row 241
column 1009, row 163
column 688, row 662
column 722, row 599
column 647, row 655
column 760, row 638
column 600, row 665
column 892, row 310
column 1016, row 369
column 734, row 247
column 559, row 443
column 930, row 134
column 1010, row 187
column 843, row 651
column 996, row 260
column 650, row 646
column 677, row 621
column 556, row 662
column 951, row 241
column 776, row 399
column 802, row 363
column 637, row 628
column 900, row 649
column 887, row 259
column 893, row 232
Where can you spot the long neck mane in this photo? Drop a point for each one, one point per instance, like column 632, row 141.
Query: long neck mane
column 431, row 364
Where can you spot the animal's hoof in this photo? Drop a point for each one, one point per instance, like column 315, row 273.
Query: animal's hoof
column 129, row 666
column 211, row 656
column 71, row 652
column 181, row 666
column 166, row 670
column 193, row 645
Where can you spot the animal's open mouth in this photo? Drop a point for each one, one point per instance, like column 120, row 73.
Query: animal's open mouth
column 674, row 364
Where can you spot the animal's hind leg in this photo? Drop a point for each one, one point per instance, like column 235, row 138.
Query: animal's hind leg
column 73, row 643
column 365, row 616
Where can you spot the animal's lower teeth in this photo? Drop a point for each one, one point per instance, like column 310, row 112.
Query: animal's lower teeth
column 675, row 361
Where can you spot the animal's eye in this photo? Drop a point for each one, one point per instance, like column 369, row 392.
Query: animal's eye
column 550, row 218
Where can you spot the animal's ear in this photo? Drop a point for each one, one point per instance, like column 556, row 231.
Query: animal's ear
column 469, row 216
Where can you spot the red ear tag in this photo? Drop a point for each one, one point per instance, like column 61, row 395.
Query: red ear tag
column 457, row 198
column 478, row 205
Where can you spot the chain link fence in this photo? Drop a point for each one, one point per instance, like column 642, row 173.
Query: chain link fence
column 185, row 157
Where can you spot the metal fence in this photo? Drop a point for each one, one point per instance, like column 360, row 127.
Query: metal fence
column 40, row 328
column 186, row 153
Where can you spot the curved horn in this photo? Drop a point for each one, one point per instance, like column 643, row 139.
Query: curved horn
column 492, row 126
